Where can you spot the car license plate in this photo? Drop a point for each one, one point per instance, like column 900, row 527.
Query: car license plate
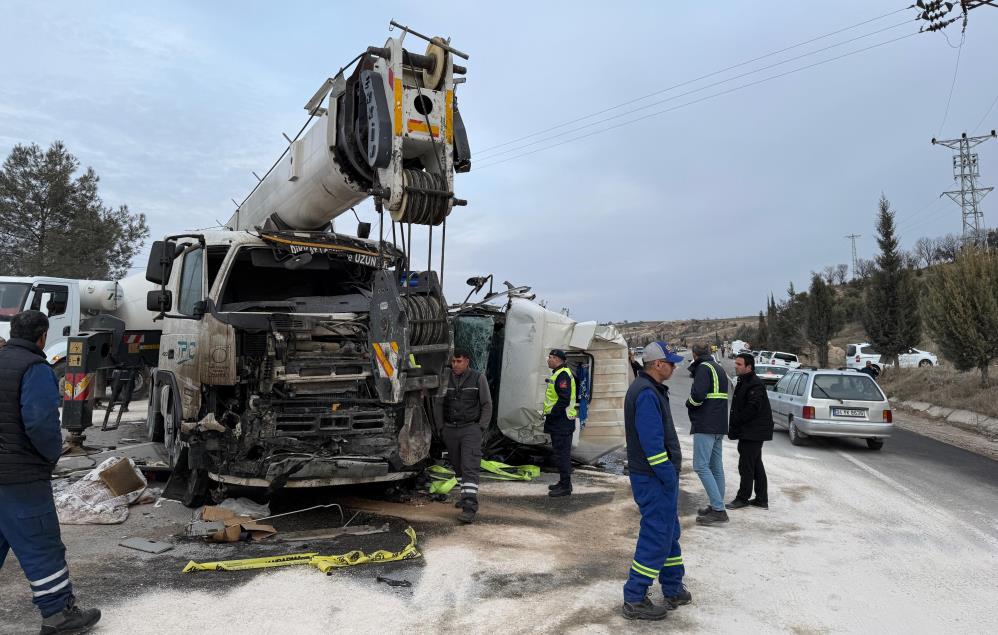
column 848, row 412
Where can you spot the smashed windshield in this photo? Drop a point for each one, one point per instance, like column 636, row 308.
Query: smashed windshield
column 258, row 280
column 12, row 296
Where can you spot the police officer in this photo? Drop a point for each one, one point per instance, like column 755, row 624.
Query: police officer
column 559, row 419
column 467, row 412
column 30, row 446
column 654, row 459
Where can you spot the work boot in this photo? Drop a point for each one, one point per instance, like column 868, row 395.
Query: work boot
column 555, row 485
column 71, row 619
column 755, row 502
column 561, row 490
column 712, row 517
column 681, row 598
column 737, row 503
column 703, row 510
column 466, row 516
column 645, row 610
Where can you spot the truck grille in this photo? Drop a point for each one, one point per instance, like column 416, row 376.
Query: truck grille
column 305, row 421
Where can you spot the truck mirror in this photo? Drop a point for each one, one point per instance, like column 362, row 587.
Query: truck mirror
column 160, row 264
column 363, row 230
column 159, row 300
column 199, row 309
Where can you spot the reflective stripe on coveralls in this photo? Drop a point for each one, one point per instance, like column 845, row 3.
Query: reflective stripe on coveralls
column 551, row 395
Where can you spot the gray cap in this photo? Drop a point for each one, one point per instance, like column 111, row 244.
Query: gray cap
column 660, row 350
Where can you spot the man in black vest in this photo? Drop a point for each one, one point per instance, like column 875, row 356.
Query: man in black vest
column 30, row 446
column 751, row 425
column 654, row 459
column 467, row 412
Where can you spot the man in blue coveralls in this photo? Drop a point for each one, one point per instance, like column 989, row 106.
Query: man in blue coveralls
column 30, row 445
column 654, row 460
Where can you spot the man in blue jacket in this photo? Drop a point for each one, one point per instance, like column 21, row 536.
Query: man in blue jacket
column 708, row 409
column 30, row 445
column 654, row 459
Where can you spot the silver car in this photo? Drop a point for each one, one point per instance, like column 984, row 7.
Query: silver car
column 831, row 403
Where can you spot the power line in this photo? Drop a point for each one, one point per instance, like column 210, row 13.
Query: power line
column 985, row 115
column 696, row 101
column 959, row 52
column 687, row 93
column 691, row 81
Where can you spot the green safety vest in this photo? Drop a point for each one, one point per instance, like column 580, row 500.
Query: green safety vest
column 551, row 395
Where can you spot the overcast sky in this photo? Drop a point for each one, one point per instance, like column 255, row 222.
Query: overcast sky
column 697, row 212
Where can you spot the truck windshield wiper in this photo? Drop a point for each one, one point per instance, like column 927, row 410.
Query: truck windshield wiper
column 818, row 386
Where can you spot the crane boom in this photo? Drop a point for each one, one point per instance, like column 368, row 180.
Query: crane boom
column 391, row 130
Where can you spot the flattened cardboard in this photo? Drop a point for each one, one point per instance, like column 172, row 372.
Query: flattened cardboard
column 234, row 525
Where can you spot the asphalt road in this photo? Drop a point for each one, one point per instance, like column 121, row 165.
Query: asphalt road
column 960, row 483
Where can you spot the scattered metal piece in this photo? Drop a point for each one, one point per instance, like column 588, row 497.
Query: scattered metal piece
column 330, row 534
column 307, row 509
column 146, row 545
column 351, row 519
column 392, row 582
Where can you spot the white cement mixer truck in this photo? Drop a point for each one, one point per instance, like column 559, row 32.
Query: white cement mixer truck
column 295, row 356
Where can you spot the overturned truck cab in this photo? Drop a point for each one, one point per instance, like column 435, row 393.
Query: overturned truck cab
column 293, row 359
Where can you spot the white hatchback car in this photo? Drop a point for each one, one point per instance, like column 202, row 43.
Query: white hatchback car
column 858, row 354
column 831, row 403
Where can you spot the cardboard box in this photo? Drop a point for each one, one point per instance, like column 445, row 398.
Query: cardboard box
column 234, row 525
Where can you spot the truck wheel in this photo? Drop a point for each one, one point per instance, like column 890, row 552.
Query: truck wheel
column 874, row 444
column 171, row 425
column 796, row 438
column 154, row 422
column 140, row 387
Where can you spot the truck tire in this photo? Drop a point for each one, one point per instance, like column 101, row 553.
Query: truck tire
column 171, row 426
column 154, row 421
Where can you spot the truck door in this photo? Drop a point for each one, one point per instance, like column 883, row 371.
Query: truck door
column 179, row 344
column 54, row 300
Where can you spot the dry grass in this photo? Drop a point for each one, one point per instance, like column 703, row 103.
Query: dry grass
column 942, row 387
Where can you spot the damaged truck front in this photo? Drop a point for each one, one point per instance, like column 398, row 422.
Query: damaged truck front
column 291, row 359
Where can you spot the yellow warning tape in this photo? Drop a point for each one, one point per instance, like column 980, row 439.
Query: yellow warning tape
column 444, row 480
column 322, row 563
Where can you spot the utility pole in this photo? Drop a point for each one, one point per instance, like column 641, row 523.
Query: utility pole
column 969, row 196
column 855, row 260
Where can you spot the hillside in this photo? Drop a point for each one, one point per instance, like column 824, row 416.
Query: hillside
column 685, row 331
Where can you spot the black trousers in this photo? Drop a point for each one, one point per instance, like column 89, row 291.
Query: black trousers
column 561, row 431
column 752, row 471
column 464, row 448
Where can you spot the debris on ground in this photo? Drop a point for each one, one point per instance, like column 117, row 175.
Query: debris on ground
column 330, row 534
column 221, row 524
column 91, row 500
column 393, row 582
column 246, row 507
column 323, row 563
column 146, row 545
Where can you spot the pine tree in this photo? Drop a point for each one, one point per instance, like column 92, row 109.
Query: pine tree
column 961, row 310
column 52, row 224
column 890, row 316
column 762, row 333
column 824, row 318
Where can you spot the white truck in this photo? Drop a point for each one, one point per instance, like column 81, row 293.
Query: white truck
column 294, row 356
column 72, row 305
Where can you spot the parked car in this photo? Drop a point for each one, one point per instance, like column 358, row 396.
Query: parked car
column 760, row 355
column 778, row 358
column 858, row 354
column 769, row 374
column 831, row 403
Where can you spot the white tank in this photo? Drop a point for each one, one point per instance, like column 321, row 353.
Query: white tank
column 132, row 308
column 100, row 295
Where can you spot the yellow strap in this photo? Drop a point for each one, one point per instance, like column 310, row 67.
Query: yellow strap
column 322, row 563
column 443, row 479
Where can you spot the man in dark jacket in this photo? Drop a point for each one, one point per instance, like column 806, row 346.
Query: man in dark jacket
column 751, row 424
column 30, row 446
column 467, row 412
column 708, row 410
column 654, row 459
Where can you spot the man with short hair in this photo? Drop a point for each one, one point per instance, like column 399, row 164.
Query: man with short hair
column 30, row 446
column 708, row 410
column 870, row 370
column 559, row 418
column 654, row 459
column 467, row 412
column 751, row 425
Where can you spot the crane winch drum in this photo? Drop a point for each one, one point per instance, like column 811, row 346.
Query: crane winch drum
column 391, row 130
